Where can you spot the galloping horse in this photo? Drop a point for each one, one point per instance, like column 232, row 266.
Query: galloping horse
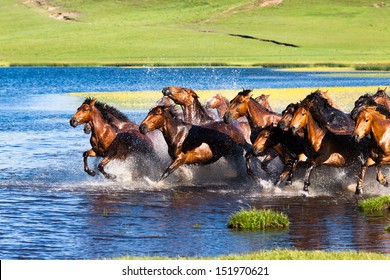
column 287, row 145
column 114, row 136
column 322, row 146
column 258, row 116
column 371, row 122
column 194, row 113
column 190, row 144
column 221, row 103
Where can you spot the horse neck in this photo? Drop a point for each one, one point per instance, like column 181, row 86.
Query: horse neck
column 314, row 132
column 195, row 113
column 101, row 129
column 379, row 127
column 172, row 129
column 258, row 116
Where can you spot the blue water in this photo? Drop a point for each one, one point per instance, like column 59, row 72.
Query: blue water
column 51, row 209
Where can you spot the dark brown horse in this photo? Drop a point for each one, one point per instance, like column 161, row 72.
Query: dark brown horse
column 371, row 122
column 325, row 147
column 114, row 136
column 288, row 146
column 191, row 144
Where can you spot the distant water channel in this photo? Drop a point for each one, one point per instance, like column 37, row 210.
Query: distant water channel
column 51, row 209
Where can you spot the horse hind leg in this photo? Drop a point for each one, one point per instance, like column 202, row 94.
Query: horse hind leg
column 86, row 154
column 380, row 177
column 101, row 166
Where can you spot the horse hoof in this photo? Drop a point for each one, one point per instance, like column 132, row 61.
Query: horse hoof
column 90, row 172
column 110, row 176
column 359, row 191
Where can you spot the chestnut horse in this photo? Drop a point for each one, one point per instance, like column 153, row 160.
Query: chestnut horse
column 325, row 147
column 194, row 113
column 114, row 136
column 190, row 144
column 371, row 122
column 221, row 103
column 382, row 98
column 258, row 116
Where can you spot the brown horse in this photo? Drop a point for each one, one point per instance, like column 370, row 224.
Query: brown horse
column 221, row 103
column 190, row 144
column 113, row 135
column 263, row 101
column 194, row 113
column 370, row 122
column 258, row 116
column 382, row 98
column 325, row 147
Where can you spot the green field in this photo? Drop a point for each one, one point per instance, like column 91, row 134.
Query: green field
column 190, row 32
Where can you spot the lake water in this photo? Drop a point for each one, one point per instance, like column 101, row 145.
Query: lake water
column 51, row 209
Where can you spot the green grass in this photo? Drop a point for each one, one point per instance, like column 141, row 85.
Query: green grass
column 283, row 254
column 375, row 204
column 176, row 32
column 253, row 219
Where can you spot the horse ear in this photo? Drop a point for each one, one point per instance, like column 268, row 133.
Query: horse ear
column 266, row 96
column 193, row 93
column 93, row 102
column 385, row 89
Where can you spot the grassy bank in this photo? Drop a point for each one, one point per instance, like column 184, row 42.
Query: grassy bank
column 282, row 254
column 279, row 98
column 173, row 32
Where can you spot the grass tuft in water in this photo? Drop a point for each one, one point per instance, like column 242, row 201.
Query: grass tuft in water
column 375, row 204
column 253, row 219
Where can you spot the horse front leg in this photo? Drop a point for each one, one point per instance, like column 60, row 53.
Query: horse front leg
column 306, row 182
column 249, row 170
column 86, row 154
column 176, row 163
column 101, row 166
column 360, row 182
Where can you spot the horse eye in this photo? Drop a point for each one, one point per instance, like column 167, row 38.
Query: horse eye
column 366, row 120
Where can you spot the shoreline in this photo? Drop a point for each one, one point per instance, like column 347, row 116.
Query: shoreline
column 334, row 67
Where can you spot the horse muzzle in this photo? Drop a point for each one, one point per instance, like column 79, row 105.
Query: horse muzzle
column 73, row 122
column 143, row 128
column 166, row 91
column 294, row 130
column 282, row 125
column 357, row 138
column 228, row 118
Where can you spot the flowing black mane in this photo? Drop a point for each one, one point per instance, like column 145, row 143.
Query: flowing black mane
column 326, row 115
column 245, row 92
column 108, row 112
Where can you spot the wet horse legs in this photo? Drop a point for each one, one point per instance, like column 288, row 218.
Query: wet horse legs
column 86, row 154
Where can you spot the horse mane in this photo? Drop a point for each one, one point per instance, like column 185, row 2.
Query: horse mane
column 291, row 105
column 245, row 92
column 108, row 112
column 367, row 100
column 327, row 116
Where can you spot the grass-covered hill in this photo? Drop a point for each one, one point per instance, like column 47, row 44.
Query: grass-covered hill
column 192, row 32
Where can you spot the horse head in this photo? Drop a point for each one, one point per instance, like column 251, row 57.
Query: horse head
column 83, row 113
column 238, row 106
column 181, row 96
column 363, row 123
column 299, row 119
column 287, row 116
column 156, row 118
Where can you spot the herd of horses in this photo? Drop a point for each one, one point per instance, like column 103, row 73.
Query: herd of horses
column 314, row 131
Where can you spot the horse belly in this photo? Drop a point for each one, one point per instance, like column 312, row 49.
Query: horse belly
column 335, row 159
column 199, row 155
